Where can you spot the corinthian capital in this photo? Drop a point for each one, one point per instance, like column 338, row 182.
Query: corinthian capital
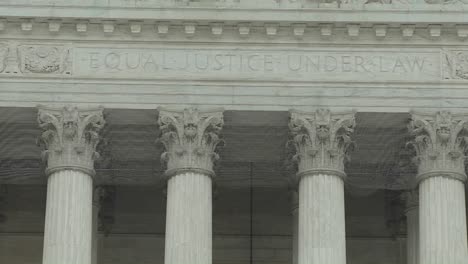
column 70, row 136
column 190, row 138
column 440, row 142
column 321, row 140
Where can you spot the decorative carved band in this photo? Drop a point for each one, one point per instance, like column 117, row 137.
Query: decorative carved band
column 34, row 59
column 190, row 138
column 322, row 141
column 70, row 136
column 440, row 142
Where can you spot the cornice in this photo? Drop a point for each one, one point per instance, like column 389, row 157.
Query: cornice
column 269, row 21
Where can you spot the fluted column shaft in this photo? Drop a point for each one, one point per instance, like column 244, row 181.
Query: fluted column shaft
column 440, row 142
column 68, row 222
column 322, row 237
column 189, row 219
column 321, row 141
column 70, row 137
column 442, row 221
column 190, row 139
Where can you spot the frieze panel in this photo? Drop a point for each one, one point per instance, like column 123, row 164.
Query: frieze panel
column 186, row 63
column 259, row 64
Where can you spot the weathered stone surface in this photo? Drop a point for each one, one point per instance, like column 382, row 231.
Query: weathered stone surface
column 322, row 141
column 440, row 142
column 190, row 138
column 70, row 136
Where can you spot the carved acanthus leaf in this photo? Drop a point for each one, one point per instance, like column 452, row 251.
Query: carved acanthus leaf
column 70, row 137
column 190, row 139
column 322, row 140
column 440, row 142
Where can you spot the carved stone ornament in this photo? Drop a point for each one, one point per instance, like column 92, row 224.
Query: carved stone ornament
column 322, row 141
column 440, row 142
column 457, row 64
column 44, row 59
column 3, row 56
column 190, row 138
column 70, row 136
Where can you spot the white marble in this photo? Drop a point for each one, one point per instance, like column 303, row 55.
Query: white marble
column 442, row 221
column 70, row 136
column 68, row 229
column 190, row 138
column 189, row 219
column 321, row 142
column 321, row 220
column 440, row 145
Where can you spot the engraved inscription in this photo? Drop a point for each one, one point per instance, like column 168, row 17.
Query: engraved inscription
column 271, row 64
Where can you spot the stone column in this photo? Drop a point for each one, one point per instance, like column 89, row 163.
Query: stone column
column 295, row 224
column 440, row 142
column 70, row 137
column 412, row 226
column 190, row 138
column 322, row 141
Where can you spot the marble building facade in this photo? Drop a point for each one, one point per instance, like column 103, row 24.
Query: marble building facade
column 228, row 132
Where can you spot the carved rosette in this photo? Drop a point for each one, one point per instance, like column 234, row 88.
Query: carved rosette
column 440, row 142
column 190, row 139
column 322, row 141
column 70, row 136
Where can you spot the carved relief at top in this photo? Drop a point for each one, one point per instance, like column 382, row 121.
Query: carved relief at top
column 322, row 141
column 457, row 64
column 440, row 142
column 70, row 136
column 44, row 59
column 3, row 56
column 190, row 139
